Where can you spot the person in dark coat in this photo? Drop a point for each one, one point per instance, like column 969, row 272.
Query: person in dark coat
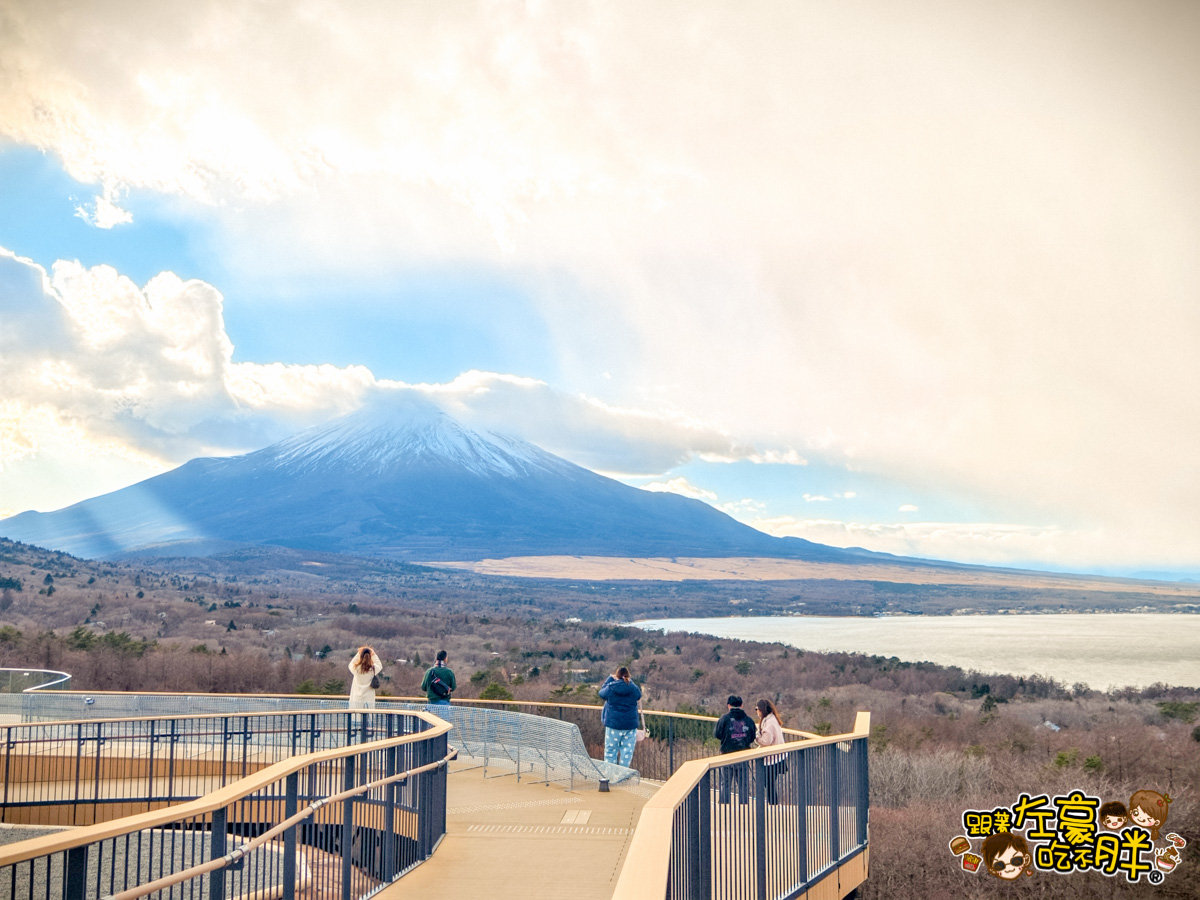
column 736, row 731
column 620, row 716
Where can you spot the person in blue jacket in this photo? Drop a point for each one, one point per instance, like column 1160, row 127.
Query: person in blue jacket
column 620, row 716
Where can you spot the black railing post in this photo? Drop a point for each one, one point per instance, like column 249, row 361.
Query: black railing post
column 440, row 797
column 290, row 806
column 800, row 759
column 760, row 828
column 835, row 852
column 691, row 851
column 150, row 766
column 670, row 746
column 389, row 814
column 78, row 767
column 75, row 880
column 347, row 824
column 216, row 880
column 171, row 761
column 224, row 750
column 864, row 791
column 247, row 737
column 703, row 849
column 96, row 779
column 419, row 790
column 8, row 754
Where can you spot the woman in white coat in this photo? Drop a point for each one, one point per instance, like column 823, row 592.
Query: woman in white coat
column 364, row 667
column 770, row 734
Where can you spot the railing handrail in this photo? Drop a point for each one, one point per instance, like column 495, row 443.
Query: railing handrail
column 493, row 732
column 382, row 699
column 209, row 715
column 215, row 800
column 268, row 836
column 647, row 866
column 677, row 786
column 26, row 671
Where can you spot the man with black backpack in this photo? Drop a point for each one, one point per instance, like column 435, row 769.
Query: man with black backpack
column 735, row 730
column 439, row 682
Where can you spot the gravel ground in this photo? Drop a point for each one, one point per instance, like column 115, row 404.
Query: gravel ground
column 10, row 834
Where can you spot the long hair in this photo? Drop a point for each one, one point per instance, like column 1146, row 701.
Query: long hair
column 766, row 708
column 363, row 662
column 1153, row 804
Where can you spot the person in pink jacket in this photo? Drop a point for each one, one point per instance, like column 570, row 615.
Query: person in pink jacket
column 770, row 733
column 364, row 667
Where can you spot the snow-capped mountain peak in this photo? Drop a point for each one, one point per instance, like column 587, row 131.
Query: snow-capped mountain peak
column 398, row 478
column 398, row 432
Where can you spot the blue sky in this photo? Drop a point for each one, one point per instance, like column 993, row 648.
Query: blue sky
column 38, row 210
column 424, row 325
column 920, row 280
column 427, row 326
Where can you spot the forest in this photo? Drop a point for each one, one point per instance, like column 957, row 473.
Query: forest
column 942, row 739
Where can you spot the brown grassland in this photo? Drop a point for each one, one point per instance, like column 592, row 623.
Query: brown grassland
column 942, row 739
column 611, row 568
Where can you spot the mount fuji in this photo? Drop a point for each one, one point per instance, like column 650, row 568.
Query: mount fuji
column 402, row 480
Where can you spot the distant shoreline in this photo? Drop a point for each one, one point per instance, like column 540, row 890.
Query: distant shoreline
column 745, row 568
column 1087, row 649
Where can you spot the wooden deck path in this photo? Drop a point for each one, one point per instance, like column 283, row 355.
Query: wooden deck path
column 526, row 841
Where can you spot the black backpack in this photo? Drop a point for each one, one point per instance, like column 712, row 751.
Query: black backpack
column 439, row 687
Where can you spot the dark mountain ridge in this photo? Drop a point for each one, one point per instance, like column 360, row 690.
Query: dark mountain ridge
column 406, row 481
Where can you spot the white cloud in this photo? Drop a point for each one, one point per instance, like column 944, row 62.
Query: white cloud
column 18, row 436
column 980, row 543
column 614, row 440
column 146, row 376
column 968, row 264
column 788, row 457
column 908, row 507
column 682, row 487
column 815, row 498
column 745, row 509
column 133, row 380
column 103, row 211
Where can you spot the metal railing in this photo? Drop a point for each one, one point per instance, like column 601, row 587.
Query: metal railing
column 330, row 804
column 82, row 772
column 551, row 746
column 550, row 750
column 748, row 847
column 17, row 681
column 674, row 738
column 766, row 823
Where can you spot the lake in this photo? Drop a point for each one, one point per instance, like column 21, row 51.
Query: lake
column 1117, row 650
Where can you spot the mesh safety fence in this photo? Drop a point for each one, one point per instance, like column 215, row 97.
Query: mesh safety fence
column 538, row 747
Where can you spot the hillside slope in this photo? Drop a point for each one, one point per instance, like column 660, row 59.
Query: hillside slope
column 404, row 481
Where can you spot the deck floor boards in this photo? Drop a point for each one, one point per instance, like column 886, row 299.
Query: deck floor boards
column 506, row 839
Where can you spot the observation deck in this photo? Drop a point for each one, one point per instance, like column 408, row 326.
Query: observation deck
column 510, row 839
column 199, row 796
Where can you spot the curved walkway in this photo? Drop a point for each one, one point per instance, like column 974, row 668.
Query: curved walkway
column 526, row 841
